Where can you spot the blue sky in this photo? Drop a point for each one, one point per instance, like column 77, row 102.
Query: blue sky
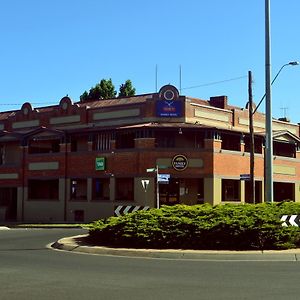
column 50, row 48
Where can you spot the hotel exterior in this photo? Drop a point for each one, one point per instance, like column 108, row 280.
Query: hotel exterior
column 76, row 162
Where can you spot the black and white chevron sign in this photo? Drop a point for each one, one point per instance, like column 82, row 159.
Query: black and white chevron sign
column 293, row 220
column 126, row 209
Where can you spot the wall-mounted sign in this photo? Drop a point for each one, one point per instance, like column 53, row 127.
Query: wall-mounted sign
column 100, row 163
column 245, row 177
column 168, row 104
column 179, row 162
column 169, row 108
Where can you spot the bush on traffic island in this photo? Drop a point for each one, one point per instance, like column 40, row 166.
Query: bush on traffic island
column 229, row 226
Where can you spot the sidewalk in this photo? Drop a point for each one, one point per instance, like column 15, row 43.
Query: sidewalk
column 76, row 244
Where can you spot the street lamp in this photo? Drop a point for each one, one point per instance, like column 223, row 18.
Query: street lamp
column 251, row 131
column 291, row 63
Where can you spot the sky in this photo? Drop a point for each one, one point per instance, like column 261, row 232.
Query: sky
column 53, row 48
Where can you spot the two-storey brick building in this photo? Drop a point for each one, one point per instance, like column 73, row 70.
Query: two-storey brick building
column 78, row 161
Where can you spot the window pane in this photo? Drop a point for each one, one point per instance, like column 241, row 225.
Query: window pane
column 43, row 189
column 230, row 190
column 101, row 189
column 124, row 189
column 78, row 189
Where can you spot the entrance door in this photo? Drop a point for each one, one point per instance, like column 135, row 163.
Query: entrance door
column 8, row 204
column 169, row 193
column 258, row 192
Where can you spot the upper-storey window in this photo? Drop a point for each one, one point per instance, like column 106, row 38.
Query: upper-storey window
column 165, row 139
column 43, row 146
column 231, row 142
column 179, row 138
column 10, row 153
column 79, row 143
column 257, row 144
column 102, row 141
column 284, row 149
column 125, row 140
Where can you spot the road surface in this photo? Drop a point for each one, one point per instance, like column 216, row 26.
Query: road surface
column 29, row 270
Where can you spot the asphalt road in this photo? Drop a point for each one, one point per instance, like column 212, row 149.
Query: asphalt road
column 28, row 270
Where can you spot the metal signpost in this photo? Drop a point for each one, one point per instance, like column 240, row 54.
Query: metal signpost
column 157, row 181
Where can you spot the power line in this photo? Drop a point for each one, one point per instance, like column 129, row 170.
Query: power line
column 214, row 82
column 32, row 103
column 185, row 88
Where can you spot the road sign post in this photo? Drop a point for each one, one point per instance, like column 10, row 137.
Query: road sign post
column 157, row 181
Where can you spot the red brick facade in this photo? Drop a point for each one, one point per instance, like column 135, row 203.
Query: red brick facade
column 48, row 155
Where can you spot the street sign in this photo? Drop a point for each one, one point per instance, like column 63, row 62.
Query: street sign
column 163, row 178
column 293, row 220
column 126, row 209
column 245, row 177
column 145, row 183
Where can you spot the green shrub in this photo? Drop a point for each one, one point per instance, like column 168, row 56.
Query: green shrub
column 238, row 227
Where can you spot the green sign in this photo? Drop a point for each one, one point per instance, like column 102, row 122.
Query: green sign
column 100, row 163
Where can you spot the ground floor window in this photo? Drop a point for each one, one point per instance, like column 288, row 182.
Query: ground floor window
column 43, row 189
column 200, row 191
column 124, row 189
column 284, row 191
column 100, row 189
column 78, row 189
column 230, row 190
column 258, row 192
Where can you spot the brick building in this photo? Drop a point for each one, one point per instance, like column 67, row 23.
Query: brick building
column 78, row 161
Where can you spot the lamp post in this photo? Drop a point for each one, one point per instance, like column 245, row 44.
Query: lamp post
column 269, row 132
column 291, row 63
column 251, row 129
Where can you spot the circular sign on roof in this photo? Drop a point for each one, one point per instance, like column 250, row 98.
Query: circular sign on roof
column 179, row 162
column 168, row 93
column 26, row 108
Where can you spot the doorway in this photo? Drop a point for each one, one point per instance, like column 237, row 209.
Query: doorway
column 258, row 192
column 169, row 193
column 8, row 204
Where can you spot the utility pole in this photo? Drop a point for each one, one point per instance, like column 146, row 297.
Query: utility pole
column 251, row 131
column 269, row 132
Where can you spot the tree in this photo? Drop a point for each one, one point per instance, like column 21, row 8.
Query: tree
column 106, row 89
column 84, row 96
column 126, row 89
column 103, row 90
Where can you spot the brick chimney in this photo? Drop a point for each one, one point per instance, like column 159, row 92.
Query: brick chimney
column 218, row 101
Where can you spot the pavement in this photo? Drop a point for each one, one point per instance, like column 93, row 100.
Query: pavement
column 77, row 244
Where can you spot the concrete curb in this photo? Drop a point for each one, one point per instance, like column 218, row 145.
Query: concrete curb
column 4, row 228
column 70, row 244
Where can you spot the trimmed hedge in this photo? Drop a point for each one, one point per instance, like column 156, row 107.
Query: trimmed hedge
column 229, row 226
